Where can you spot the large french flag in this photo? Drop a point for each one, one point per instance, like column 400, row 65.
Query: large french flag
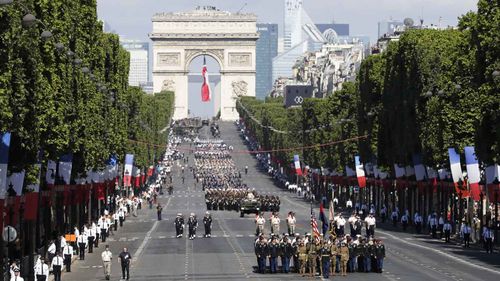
column 472, row 171
column 206, row 93
column 296, row 161
column 456, row 169
column 4, row 161
column 127, row 173
column 360, row 172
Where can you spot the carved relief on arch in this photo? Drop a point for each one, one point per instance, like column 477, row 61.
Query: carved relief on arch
column 192, row 53
column 168, row 85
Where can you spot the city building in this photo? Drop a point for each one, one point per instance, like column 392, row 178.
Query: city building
column 388, row 27
column 342, row 29
column 266, row 50
column 139, row 61
column 300, row 34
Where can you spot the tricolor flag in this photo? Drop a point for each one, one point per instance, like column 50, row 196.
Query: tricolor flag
column 472, row 167
column 473, row 172
column 360, row 172
column 419, row 167
column 16, row 182
column 456, row 169
column 4, row 161
column 296, row 161
column 206, row 93
column 127, row 173
column 492, row 178
column 65, row 166
column 399, row 171
column 349, row 172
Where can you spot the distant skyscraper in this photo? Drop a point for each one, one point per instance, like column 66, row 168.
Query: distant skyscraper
column 388, row 27
column 139, row 65
column 300, row 35
column 267, row 50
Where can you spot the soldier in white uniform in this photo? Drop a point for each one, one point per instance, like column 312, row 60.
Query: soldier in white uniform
column 68, row 254
column 42, row 271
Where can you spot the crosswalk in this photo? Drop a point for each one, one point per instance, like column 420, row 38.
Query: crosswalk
column 160, row 237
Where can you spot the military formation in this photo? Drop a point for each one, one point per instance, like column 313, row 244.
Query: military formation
column 230, row 199
column 221, row 180
column 312, row 256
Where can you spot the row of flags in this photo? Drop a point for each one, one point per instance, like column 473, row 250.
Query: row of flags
column 423, row 173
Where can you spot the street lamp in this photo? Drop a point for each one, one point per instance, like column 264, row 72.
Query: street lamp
column 29, row 20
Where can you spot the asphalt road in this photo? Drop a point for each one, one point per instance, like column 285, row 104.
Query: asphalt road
column 229, row 255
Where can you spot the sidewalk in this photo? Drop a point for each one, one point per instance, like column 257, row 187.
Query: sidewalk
column 121, row 238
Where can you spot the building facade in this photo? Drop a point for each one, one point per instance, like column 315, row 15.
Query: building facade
column 267, row 50
column 139, row 62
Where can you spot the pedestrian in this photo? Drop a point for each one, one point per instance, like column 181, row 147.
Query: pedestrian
column 82, row 243
column 57, row 263
column 159, row 208
column 447, row 231
column 465, row 232
column 246, row 170
column 16, row 275
column 125, row 260
column 207, row 222
column 68, row 254
column 42, row 270
column 107, row 256
column 488, row 237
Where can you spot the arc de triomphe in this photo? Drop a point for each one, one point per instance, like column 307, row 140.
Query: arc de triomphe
column 229, row 38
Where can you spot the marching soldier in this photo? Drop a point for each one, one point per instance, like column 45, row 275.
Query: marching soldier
column 57, row 263
column 207, row 222
column 179, row 225
column 291, row 221
column 275, row 223
column 312, row 252
column 261, row 253
column 344, row 257
column 273, row 251
column 380, row 255
column 82, row 243
column 192, row 224
column 334, row 252
column 260, row 221
column 302, row 252
column 287, row 251
column 325, row 254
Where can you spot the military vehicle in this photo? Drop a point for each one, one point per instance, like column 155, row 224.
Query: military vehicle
column 249, row 206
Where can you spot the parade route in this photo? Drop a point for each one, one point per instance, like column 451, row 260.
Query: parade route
column 229, row 254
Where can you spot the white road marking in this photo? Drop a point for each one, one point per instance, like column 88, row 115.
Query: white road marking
column 147, row 238
column 440, row 252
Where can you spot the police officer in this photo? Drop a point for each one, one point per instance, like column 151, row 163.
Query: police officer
column 179, row 225
column 42, row 270
column 192, row 224
column 82, row 243
column 68, row 254
column 207, row 222
column 57, row 263
column 16, row 275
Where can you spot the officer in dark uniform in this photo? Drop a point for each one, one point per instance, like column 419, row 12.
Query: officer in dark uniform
column 287, row 251
column 179, row 225
column 273, row 250
column 261, row 253
column 207, row 222
column 380, row 255
column 325, row 254
column 192, row 225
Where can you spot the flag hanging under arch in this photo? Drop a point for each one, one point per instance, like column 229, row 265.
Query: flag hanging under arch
column 206, row 93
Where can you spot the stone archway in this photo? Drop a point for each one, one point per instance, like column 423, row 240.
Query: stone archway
column 229, row 38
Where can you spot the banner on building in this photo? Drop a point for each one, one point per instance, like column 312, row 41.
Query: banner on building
column 472, row 166
column 65, row 166
column 296, row 161
column 456, row 169
column 419, row 167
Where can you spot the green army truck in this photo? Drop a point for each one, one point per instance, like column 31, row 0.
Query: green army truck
column 249, row 206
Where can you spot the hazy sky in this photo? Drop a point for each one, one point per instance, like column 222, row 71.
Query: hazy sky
column 132, row 18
